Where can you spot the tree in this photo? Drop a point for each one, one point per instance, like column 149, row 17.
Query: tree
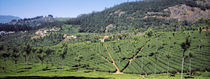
column 15, row 55
column 190, row 57
column 51, row 16
column 200, row 46
column 48, row 54
column 1, row 47
column 78, row 58
column 200, row 30
column 179, row 26
column 157, row 49
column 204, row 24
column 156, row 60
column 41, row 56
column 168, row 56
column 5, row 56
column 149, row 33
column 27, row 49
column 63, row 54
column 185, row 46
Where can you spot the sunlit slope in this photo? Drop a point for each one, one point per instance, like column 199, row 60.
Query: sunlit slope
column 161, row 53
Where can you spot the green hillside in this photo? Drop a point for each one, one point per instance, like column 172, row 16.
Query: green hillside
column 151, row 53
column 132, row 15
column 127, row 41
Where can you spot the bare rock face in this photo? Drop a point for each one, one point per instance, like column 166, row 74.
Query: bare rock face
column 107, row 27
column 44, row 32
column 203, row 3
column 183, row 12
column 187, row 13
column 117, row 12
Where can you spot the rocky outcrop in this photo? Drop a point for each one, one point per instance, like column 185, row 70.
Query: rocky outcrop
column 43, row 32
column 107, row 27
column 5, row 33
column 181, row 13
column 117, row 12
column 187, row 13
column 203, row 3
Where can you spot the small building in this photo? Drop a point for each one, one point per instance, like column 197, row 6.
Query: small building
column 102, row 40
column 3, row 32
column 105, row 37
column 11, row 32
column 205, row 29
column 69, row 37
column 54, row 29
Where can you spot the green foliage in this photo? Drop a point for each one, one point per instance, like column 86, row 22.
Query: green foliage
column 149, row 33
column 206, row 74
column 149, row 51
column 128, row 15
column 20, row 71
column 69, row 29
column 85, row 53
column 62, row 19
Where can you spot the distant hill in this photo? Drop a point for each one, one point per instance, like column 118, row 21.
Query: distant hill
column 7, row 18
column 62, row 19
column 27, row 24
column 36, row 21
column 141, row 15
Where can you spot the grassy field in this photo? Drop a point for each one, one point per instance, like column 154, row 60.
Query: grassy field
column 37, row 70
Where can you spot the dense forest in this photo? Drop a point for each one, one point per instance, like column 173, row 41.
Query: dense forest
column 131, row 15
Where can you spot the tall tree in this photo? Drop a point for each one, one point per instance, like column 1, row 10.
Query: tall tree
column 168, row 56
column 78, row 58
column 190, row 57
column 156, row 35
column 27, row 49
column 15, row 55
column 185, row 46
column 48, row 54
column 41, row 55
column 5, row 56
column 64, row 52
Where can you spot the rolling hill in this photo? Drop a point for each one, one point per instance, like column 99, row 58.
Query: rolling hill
column 7, row 18
column 157, row 14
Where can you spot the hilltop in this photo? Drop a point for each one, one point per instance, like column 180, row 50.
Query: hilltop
column 141, row 15
column 36, row 21
column 160, row 15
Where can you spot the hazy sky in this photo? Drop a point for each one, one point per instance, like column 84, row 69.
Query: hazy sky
column 58, row 8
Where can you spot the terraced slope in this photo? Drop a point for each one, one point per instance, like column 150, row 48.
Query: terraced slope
column 162, row 53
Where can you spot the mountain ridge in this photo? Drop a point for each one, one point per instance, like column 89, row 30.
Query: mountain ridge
column 7, row 18
column 132, row 14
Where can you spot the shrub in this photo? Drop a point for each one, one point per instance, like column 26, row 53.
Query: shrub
column 206, row 74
